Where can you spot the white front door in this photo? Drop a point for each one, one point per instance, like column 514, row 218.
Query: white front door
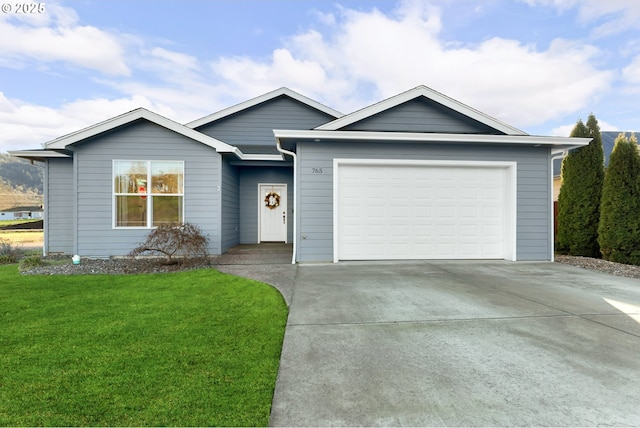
column 273, row 212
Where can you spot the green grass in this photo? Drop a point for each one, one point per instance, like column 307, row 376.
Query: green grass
column 196, row 348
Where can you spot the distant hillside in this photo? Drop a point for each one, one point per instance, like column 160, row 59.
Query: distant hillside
column 20, row 174
column 20, row 182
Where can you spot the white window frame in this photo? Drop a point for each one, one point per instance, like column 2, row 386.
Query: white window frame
column 149, row 194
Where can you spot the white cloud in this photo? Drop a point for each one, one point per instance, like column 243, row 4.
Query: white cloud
column 351, row 59
column 631, row 74
column 520, row 84
column 27, row 126
column 56, row 36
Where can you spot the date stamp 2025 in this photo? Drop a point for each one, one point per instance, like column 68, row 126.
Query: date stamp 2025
column 23, row 8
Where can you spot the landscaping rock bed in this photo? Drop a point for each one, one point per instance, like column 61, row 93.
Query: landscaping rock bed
column 617, row 269
column 64, row 266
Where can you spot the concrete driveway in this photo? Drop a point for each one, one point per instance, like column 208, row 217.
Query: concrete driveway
column 459, row 343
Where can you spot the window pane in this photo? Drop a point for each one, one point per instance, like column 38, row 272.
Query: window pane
column 166, row 177
column 131, row 211
column 167, row 210
column 130, row 177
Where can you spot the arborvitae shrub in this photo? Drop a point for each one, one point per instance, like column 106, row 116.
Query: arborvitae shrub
column 619, row 229
column 580, row 194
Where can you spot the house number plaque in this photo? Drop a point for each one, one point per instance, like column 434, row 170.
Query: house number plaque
column 316, row 170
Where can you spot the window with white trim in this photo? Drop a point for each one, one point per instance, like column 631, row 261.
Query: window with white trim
column 147, row 193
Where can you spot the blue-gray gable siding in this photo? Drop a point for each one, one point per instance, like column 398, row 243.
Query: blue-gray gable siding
column 230, row 221
column 142, row 140
column 315, row 210
column 421, row 115
column 250, row 200
column 59, row 218
column 252, row 129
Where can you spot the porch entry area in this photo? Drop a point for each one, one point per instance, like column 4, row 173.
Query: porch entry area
column 273, row 212
column 267, row 253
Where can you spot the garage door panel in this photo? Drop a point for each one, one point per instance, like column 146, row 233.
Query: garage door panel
column 415, row 211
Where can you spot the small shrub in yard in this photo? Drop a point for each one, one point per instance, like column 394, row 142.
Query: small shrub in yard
column 176, row 242
column 31, row 262
column 8, row 252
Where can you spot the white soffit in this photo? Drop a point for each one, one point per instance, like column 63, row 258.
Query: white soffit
column 261, row 99
column 421, row 91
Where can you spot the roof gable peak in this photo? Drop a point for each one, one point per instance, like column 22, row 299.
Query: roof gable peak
column 283, row 91
column 130, row 117
column 420, row 92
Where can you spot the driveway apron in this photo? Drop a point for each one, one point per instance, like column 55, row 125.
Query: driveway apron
column 452, row 343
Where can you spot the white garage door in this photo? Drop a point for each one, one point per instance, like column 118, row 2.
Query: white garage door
column 433, row 210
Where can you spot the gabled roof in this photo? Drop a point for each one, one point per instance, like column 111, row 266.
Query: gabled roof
column 126, row 118
column 420, row 91
column 259, row 100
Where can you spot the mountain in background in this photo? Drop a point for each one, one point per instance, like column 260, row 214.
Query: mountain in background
column 21, row 183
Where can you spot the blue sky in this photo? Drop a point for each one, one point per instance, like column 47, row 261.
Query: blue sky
column 539, row 65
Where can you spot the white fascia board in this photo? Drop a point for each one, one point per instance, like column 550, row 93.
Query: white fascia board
column 421, row 91
column 259, row 100
column 259, row 157
column 140, row 113
column 563, row 143
column 37, row 154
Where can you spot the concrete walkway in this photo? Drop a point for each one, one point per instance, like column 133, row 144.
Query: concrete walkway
column 459, row 344
column 266, row 262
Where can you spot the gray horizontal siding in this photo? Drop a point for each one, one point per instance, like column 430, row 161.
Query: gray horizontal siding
column 421, row 115
column 142, row 141
column 250, row 177
column 230, row 224
column 253, row 127
column 59, row 204
column 315, row 215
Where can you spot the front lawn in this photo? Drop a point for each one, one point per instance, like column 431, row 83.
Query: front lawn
column 196, row 348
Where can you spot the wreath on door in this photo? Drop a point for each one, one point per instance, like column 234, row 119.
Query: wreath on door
column 272, row 200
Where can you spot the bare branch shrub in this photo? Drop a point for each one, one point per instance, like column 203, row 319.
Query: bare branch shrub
column 9, row 253
column 176, row 242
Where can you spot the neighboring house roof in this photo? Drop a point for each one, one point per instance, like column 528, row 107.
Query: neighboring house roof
column 608, row 141
column 259, row 100
column 417, row 92
column 31, row 208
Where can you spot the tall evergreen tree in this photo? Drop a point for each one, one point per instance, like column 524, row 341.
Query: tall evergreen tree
column 579, row 198
column 619, row 230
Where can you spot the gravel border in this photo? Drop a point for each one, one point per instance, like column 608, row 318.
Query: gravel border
column 63, row 266
column 114, row 266
column 617, row 269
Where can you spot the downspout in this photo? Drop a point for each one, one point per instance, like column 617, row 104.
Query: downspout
column 295, row 196
column 553, row 235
